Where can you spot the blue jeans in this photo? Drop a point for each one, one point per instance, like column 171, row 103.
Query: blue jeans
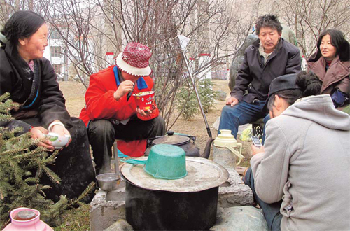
column 271, row 211
column 242, row 113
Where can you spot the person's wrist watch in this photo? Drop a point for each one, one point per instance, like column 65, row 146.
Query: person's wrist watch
column 55, row 123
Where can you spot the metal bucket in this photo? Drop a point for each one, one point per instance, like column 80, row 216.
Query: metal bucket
column 188, row 203
column 163, row 210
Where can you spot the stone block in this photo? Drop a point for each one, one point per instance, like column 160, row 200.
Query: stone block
column 104, row 213
column 118, row 194
column 242, row 218
column 234, row 192
column 120, row 225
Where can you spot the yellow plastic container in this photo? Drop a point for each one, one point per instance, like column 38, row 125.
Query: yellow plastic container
column 226, row 149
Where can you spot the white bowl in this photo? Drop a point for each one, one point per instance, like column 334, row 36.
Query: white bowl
column 58, row 141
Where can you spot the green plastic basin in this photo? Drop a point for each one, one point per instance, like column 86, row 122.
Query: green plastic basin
column 166, row 161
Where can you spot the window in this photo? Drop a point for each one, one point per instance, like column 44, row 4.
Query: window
column 55, row 51
column 57, row 68
column 54, row 34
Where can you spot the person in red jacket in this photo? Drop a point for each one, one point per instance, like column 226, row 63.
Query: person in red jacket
column 111, row 111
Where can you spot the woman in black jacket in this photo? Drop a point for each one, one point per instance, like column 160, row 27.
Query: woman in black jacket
column 32, row 83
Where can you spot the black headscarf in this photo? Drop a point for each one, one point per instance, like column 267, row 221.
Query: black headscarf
column 22, row 24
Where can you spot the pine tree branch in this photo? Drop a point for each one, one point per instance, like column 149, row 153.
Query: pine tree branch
column 4, row 96
column 89, row 189
column 51, row 159
column 20, row 158
column 53, row 176
column 12, row 152
column 4, row 118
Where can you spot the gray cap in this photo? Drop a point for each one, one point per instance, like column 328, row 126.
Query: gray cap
column 284, row 82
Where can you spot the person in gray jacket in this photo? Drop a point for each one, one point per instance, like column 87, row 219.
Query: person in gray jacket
column 269, row 57
column 305, row 160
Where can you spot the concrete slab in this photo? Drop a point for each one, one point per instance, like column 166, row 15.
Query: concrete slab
column 236, row 218
column 104, row 213
column 234, row 191
column 120, row 225
column 240, row 218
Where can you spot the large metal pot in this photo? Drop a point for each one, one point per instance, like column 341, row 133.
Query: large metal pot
column 189, row 203
column 186, row 142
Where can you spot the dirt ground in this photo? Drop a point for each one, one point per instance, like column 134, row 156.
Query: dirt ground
column 74, row 94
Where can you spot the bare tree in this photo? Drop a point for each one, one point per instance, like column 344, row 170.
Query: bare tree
column 157, row 23
column 78, row 24
column 309, row 18
column 90, row 28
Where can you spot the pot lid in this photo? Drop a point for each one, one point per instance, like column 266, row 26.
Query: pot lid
column 202, row 174
column 174, row 140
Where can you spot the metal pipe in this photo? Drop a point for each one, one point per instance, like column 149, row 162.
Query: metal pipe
column 197, row 95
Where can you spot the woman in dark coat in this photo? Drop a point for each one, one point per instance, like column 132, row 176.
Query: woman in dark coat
column 331, row 64
column 32, row 83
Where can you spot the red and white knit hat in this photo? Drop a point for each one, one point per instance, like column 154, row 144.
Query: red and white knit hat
column 134, row 59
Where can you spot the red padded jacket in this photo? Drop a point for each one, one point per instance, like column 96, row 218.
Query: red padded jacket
column 100, row 104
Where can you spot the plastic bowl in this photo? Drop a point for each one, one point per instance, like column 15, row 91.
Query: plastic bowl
column 166, row 161
column 107, row 182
